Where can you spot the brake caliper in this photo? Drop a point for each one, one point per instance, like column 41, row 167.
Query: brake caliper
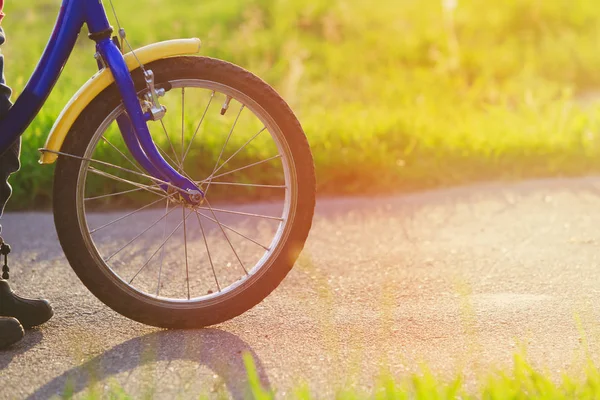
column 157, row 111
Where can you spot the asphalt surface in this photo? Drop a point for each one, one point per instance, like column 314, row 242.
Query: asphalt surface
column 459, row 279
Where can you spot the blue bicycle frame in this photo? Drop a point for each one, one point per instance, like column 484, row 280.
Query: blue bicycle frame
column 72, row 16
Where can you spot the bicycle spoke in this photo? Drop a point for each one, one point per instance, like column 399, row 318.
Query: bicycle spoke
column 130, row 214
column 232, row 230
column 121, row 153
column 113, row 194
column 228, row 137
column 212, row 266
column 141, row 186
column 160, row 247
column 162, row 252
column 226, row 237
column 182, row 124
column 225, row 145
column 241, row 168
column 187, row 271
column 170, row 143
column 60, row 153
column 155, row 180
column 198, row 127
column 243, row 213
column 238, row 150
column 248, row 184
column 139, row 235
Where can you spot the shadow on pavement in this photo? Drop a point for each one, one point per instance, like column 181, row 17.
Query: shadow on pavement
column 32, row 338
column 218, row 350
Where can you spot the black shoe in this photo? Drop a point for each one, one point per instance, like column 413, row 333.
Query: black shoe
column 28, row 311
column 11, row 331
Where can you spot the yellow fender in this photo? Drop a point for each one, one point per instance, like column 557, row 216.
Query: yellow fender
column 101, row 81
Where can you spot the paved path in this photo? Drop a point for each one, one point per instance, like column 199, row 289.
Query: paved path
column 459, row 279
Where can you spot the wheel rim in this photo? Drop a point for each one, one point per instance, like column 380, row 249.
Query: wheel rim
column 108, row 249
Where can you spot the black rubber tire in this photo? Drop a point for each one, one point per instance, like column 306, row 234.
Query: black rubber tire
column 135, row 305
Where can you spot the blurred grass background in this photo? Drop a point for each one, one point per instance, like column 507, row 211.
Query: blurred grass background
column 394, row 96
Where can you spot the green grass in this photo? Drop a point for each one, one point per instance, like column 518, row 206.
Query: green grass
column 401, row 96
column 521, row 382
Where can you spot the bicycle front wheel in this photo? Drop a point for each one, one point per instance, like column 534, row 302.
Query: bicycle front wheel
column 143, row 251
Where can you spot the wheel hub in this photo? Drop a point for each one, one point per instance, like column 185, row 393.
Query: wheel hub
column 190, row 197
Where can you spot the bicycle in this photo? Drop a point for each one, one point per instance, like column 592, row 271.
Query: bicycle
column 183, row 259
